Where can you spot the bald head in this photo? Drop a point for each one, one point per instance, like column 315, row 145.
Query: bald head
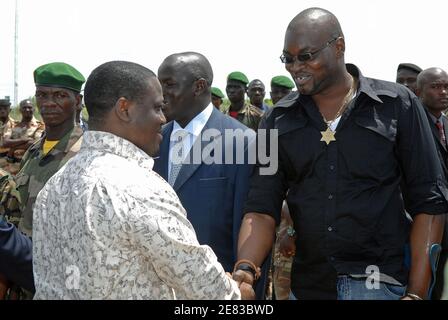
column 313, row 52
column 186, row 80
column 317, row 21
column 193, row 63
column 430, row 75
column 432, row 89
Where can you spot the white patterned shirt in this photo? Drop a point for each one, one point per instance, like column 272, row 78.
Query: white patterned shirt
column 106, row 226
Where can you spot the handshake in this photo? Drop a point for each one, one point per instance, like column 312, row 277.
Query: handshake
column 245, row 273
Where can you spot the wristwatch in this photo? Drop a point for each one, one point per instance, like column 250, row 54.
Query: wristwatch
column 290, row 231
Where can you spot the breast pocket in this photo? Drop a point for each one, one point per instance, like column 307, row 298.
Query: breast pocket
column 376, row 144
column 213, row 182
column 384, row 129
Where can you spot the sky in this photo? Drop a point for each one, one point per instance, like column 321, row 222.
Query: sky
column 243, row 35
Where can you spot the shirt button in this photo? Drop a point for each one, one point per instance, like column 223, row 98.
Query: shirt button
column 331, row 258
column 331, row 167
column 330, row 197
column 330, row 229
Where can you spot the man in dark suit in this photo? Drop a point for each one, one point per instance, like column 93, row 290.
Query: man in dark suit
column 210, row 184
column 15, row 257
column 432, row 89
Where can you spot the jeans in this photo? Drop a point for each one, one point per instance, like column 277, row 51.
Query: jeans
column 356, row 289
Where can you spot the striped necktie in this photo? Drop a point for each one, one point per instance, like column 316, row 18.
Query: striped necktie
column 441, row 132
column 177, row 157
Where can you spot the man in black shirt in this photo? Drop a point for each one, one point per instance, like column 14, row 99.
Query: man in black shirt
column 353, row 154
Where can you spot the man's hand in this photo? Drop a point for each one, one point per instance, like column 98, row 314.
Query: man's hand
column 287, row 245
column 247, row 291
column 241, row 276
column 245, row 282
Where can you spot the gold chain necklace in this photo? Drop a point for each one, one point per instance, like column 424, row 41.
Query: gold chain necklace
column 328, row 135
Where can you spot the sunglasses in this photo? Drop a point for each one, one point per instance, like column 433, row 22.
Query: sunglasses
column 307, row 56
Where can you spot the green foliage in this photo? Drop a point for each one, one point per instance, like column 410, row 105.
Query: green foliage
column 84, row 114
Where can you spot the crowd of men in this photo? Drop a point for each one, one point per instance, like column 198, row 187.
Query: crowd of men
column 124, row 209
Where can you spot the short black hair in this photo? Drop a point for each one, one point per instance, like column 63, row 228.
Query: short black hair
column 111, row 81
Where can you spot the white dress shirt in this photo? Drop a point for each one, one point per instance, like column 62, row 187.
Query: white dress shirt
column 193, row 130
column 106, row 226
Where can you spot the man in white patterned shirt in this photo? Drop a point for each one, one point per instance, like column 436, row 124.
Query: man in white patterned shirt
column 106, row 226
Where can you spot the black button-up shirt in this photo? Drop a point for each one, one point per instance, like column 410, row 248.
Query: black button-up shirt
column 348, row 199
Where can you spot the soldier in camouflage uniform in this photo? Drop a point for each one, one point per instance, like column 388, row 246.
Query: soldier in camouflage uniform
column 239, row 109
column 20, row 137
column 5, row 123
column 284, row 250
column 58, row 87
column 217, row 97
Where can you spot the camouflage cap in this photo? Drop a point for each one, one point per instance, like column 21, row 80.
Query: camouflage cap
column 218, row 93
column 282, row 81
column 60, row 75
column 238, row 76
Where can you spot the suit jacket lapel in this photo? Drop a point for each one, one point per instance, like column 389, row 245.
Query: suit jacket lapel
column 187, row 170
column 435, row 130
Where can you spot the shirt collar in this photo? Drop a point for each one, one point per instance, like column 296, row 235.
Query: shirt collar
column 365, row 86
column 195, row 126
column 107, row 142
column 434, row 119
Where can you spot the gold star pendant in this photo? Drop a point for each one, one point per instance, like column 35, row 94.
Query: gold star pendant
column 327, row 136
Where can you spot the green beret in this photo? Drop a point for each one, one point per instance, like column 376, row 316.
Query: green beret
column 238, row 76
column 5, row 102
column 217, row 92
column 60, row 75
column 282, row 81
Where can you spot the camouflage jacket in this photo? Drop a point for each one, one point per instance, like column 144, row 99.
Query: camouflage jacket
column 249, row 115
column 35, row 170
column 21, row 130
column 4, row 127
